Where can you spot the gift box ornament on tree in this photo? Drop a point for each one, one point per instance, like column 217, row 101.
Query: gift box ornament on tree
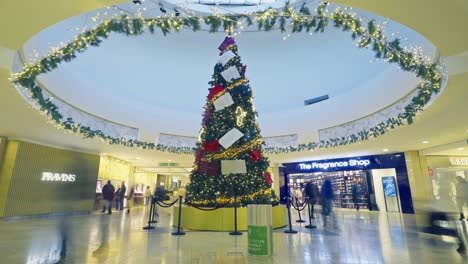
column 229, row 162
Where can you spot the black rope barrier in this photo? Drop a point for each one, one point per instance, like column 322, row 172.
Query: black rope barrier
column 298, row 212
column 206, row 209
column 298, row 204
column 166, row 205
column 290, row 231
column 300, row 209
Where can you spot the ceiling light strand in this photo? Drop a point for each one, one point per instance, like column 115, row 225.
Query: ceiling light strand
column 370, row 35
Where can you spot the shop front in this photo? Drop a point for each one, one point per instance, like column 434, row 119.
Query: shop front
column 36, row 180
column 377, row 182
column 446, row 169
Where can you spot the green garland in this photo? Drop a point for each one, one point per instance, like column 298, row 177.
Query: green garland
column 370, row 35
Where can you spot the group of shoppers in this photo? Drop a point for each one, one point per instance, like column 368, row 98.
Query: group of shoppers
column 109, row 194
column 325, row 196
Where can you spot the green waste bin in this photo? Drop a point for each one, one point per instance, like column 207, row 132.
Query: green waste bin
column 260, row 229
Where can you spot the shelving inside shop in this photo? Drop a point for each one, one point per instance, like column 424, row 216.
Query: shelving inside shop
column 342, row 182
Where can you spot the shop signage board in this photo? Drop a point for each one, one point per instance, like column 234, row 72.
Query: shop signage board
column 58, row 177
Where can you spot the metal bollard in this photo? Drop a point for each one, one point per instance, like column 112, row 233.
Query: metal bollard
column 310, row 218
column 290, row 231
column 235, row 233
column 179, row 233
column 299, row 213
column 149, row 227
column 153, row 215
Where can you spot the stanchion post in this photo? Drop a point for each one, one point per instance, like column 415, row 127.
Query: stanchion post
column 310, row 225
column 299, row 213
column 149, row 227
column 235, row 233
column 153, row 215
column 290, row 231
column 179, row 233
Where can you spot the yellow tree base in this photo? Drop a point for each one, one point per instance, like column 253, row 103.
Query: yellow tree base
column 222, row 219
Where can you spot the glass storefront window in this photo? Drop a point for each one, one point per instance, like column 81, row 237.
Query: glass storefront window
column 342, row 182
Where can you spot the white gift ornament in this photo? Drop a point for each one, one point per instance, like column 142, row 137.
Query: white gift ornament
column 226, row 57
column 230, row 137
column 230, row 73
column 223, row 101
column 233, row 166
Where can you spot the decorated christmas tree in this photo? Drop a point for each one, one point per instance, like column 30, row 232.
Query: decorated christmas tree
column 229, row 163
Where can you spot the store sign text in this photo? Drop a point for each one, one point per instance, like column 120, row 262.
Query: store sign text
column 63, row 177
column 339, row 164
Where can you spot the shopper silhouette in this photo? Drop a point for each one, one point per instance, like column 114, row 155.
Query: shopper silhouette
column 108, row 196
column 121, row 195
column 311, row 192
column 327, row 197
column 462, row 195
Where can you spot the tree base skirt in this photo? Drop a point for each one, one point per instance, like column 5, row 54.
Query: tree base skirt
column 222, row 219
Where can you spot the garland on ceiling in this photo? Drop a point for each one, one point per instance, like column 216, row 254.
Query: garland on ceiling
column 366, row 35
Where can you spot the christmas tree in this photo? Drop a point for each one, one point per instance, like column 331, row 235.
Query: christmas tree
column 229, row 163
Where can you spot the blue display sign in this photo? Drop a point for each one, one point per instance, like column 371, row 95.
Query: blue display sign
column 356, row 163
column 389, row 186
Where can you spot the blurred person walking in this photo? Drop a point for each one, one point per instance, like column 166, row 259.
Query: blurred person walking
column 121, row 195
column 117, row 198
column 130, row 199
column 442, row 215
column 462, row 196
column 355, row 195
column 108, row 196
column 311, row 192
column 147, row 195
column 327, row 196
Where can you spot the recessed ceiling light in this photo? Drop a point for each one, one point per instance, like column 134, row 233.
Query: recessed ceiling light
column 169, row 160
column 385, row 150
column 425, row 142
column 460, row 148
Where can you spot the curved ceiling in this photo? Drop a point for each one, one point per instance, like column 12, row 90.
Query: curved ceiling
column 443, row 122
column 159, row 83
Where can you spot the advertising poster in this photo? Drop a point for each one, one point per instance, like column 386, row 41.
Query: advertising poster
column 389, row 186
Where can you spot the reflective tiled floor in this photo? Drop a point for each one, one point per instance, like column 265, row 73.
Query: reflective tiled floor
column 364, row 237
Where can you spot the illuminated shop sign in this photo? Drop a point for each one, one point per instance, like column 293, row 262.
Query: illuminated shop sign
column 338, row 164
column 62, row 177
column 459, row 161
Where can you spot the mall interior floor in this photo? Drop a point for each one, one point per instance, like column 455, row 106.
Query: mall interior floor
column 364, row 237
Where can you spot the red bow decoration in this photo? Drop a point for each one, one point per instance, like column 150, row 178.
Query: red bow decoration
column 255, row 155
column 267, row 177
column 209, row 168
column 214, row 91
column 211, row 146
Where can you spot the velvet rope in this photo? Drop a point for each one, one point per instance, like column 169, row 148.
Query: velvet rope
column 166, row 205
column 299, row 209
column 205, row 209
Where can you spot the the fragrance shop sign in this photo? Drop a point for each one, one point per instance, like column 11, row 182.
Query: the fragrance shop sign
column 331, row 165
